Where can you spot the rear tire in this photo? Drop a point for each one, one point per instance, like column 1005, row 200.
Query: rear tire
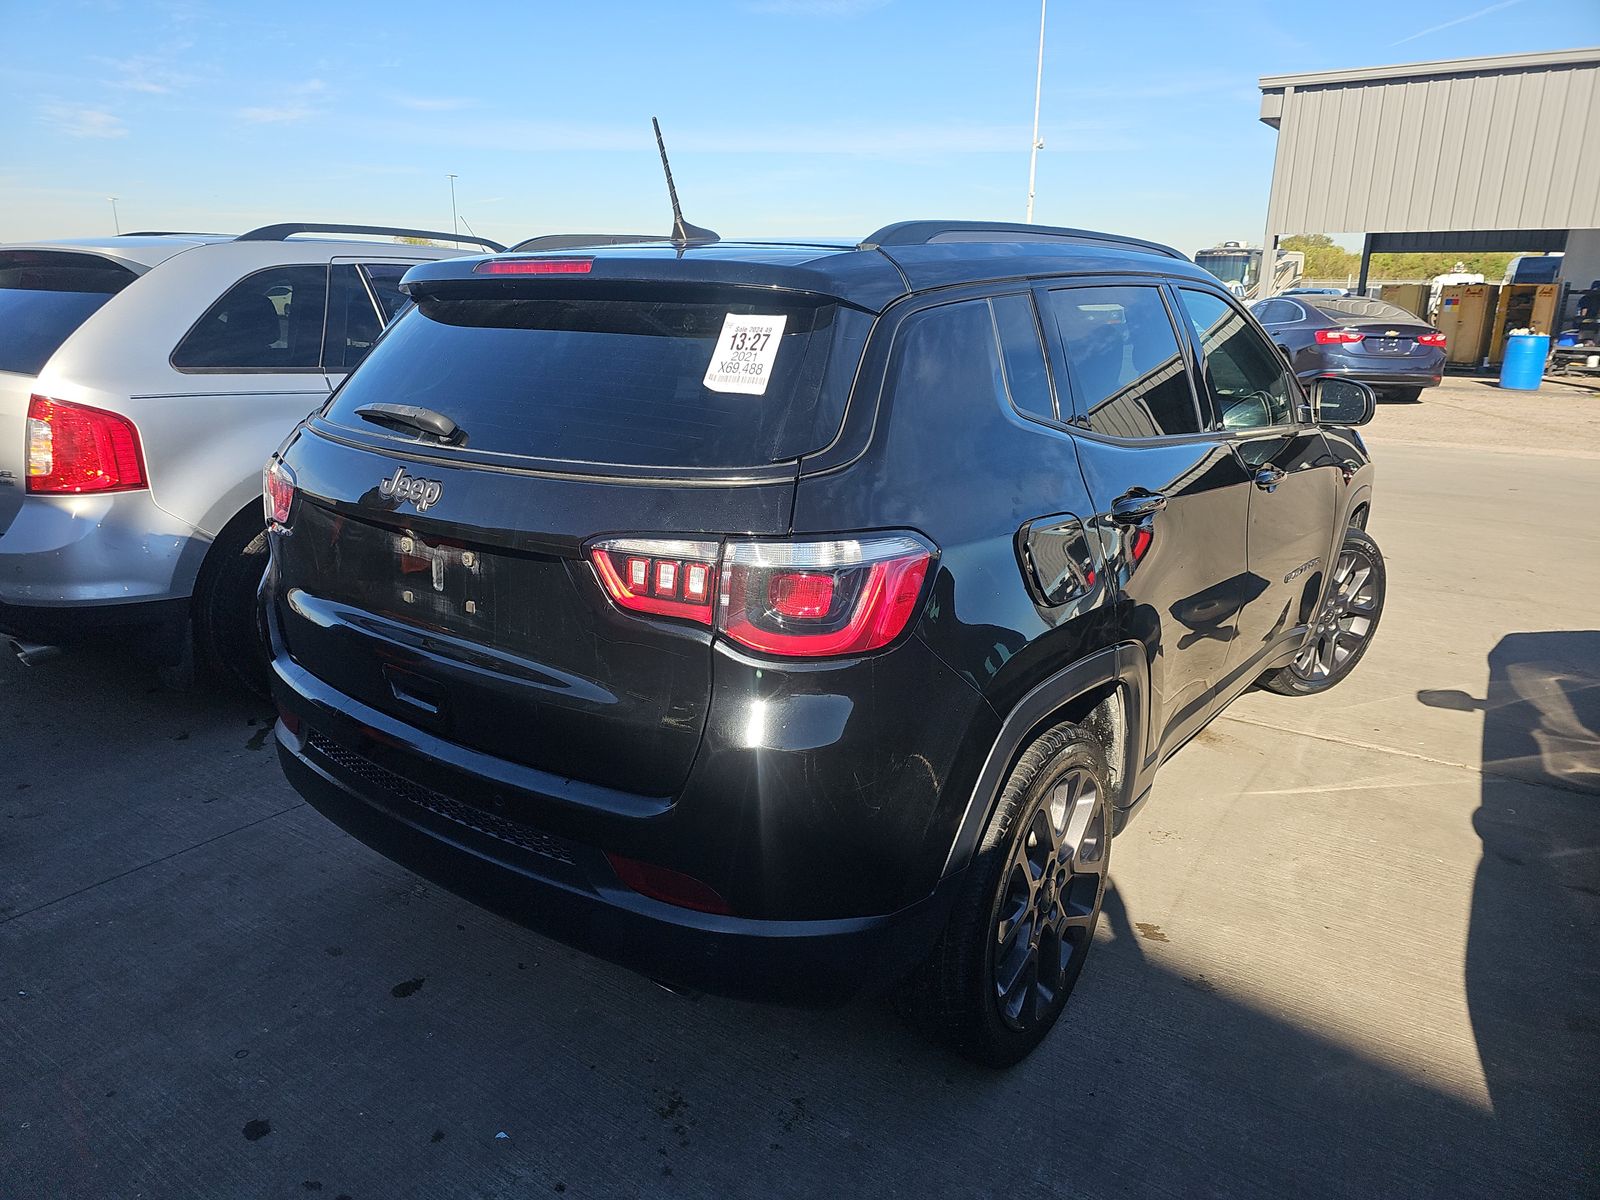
column 1024, row 921
column 1401, row 395
column 227, row 635
column 1342, row 628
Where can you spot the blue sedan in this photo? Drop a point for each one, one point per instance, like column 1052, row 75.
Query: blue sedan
column 1396, row 352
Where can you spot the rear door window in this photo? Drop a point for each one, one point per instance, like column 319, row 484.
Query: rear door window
column 1027, row 377
column 1244, row 372
column 384, row 278
column 269, row 321
column 353, row 321
column 1128, row 374
column 45, row 295
column 613, row 377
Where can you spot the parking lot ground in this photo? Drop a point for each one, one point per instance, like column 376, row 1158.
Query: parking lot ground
column 1351, row 950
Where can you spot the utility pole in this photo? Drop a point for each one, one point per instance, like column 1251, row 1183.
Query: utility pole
column 1038, row 87
column 455, row 224
column 115, row 223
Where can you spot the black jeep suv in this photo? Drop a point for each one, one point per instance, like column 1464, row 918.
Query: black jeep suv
column 786, row 620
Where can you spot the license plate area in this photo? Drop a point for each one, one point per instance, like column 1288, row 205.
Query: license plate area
column 1393, row 345
column 440, row 582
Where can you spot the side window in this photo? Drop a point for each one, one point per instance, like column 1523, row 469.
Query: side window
column 1027, row 377
column 353, row 323
column 1128, row 373
column 948, row 352
column 1245, row 373
column 269, row 321
column 1273, row 312
column 385, row 280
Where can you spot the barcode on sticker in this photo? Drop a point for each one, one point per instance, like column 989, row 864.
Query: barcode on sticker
column 743, row 357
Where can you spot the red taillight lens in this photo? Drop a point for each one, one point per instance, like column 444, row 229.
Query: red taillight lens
column 534, row 266
column 277, row 493
column 797, row 599
column 1337, row 337
column 811, row 599
column 73, row 449
column 1432, row 339
column 663, row 577
column 663, row 883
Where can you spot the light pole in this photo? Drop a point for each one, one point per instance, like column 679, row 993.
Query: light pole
column 115, row 223
column 1038, row 87
column 455, row 224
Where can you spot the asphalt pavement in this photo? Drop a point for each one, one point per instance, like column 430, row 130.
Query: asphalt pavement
column 1351, row 951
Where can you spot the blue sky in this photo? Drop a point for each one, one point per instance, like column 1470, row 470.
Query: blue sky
column 782, row 116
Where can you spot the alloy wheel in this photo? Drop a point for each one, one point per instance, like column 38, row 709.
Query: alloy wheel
column 1345, row 621
column 1050, row 897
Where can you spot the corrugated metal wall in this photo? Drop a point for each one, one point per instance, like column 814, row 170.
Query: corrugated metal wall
column 1512, row 149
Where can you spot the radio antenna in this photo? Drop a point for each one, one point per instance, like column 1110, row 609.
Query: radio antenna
column 683, row 233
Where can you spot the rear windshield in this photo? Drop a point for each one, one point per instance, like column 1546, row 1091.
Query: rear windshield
column 1342, row 308
column 44, row 296
column 622, row 380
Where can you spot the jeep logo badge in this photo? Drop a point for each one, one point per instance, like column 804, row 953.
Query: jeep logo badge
column 424, row 493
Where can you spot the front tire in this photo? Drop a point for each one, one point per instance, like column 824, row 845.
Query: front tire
column 1024, row 922
column 1343, row 627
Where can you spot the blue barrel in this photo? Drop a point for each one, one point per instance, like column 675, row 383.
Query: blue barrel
column 1522, row 370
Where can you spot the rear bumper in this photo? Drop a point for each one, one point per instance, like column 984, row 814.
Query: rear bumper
column 160, row 626
column 86, row 551
column 569, row 892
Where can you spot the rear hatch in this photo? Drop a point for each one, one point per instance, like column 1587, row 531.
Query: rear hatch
column 45, row 296
column 1386, row 331
column 442, row 579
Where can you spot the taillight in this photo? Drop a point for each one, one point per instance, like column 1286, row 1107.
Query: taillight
column 661, row 576
column 1431, row 339
column 277, row 493
column 73, row 449
column 796, row 599
column 817, row 598
column 534, row 266
column 1337, row 337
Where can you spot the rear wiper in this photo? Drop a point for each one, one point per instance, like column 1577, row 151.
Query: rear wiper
column 410, row 416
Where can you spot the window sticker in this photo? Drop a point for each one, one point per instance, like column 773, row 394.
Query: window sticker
column 746, row 348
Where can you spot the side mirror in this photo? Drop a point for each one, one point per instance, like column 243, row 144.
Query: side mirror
column 1337, row 401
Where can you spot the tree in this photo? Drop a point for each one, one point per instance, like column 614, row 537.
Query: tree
column 1324, row 260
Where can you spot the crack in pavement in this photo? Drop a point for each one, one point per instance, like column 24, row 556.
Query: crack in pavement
column 89, row 887
column 1479, row 769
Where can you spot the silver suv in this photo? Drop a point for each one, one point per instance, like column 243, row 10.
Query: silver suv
column 144, row 380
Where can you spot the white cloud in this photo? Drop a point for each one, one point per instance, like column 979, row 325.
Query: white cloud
column 84, row 122
column 145, row 73
column 295, row 103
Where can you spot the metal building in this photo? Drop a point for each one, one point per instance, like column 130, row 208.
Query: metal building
column 1468, row 154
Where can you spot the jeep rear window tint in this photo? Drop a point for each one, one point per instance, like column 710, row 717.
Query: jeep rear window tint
column 268, row 321
column 1128, row 373
column 1026, row 375
column 615, row 380
column 45, row 295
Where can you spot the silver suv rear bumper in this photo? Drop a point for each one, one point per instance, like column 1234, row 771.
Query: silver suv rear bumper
column 97, row 550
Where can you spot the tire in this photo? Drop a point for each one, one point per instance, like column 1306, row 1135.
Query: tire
column 1402, row 395
column 1024, row 921
column 228, row 645
column 1344, row 625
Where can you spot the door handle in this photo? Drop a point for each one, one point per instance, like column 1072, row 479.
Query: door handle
column 1135, row 507
column 1269, row 477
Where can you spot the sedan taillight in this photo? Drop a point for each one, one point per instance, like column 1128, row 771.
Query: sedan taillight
column 1431, row 339
column 1337, row 337
column 799, row 599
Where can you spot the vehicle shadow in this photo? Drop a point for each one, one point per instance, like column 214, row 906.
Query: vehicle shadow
column 1534, row 939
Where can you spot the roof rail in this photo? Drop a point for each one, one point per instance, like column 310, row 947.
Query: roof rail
column 576, row 241
column 920, row 233
column 170, row 233
column 278, row 233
